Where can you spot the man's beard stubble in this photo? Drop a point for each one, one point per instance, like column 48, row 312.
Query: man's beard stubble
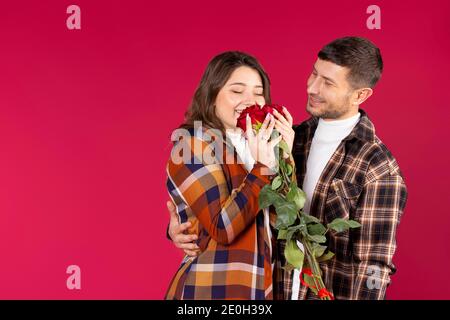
column 330, row 111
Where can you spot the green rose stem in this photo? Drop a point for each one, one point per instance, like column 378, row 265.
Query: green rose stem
column 315, row 269
column 293, row 224
column 309, row 252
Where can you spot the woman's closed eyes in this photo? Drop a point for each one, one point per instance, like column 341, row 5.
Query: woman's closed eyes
column 239, row 92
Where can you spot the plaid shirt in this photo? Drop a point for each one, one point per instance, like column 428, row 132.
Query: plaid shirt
column 221, row 201
column 362, row 181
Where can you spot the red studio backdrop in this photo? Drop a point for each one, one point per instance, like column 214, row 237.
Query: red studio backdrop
column 86, row 117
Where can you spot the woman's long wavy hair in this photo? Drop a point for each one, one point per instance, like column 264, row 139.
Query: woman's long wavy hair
column 217, row 73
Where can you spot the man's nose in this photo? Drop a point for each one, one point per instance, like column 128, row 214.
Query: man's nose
column 313, row 87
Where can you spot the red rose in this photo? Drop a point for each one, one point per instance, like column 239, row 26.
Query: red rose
column 324, row 293
column 270, row 108
column 309, row 273
column 257, row 115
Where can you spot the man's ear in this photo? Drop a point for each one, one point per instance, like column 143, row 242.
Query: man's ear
column 362, row 95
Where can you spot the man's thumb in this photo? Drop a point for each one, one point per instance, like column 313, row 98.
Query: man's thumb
column 172, row 210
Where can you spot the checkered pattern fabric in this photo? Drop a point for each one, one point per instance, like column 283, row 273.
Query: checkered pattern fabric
column 362, row 181
column 221, row 201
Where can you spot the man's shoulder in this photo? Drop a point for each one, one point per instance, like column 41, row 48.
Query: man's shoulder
column 379, row 159
column 308, row 123
column 306, row 128
column 385, row 156
column 365, row 145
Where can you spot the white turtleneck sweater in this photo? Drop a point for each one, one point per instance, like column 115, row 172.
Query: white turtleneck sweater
column 241, row 145
column 327, row 138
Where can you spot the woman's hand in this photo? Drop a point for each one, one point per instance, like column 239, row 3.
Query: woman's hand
column 284, row 126
column 261, row 147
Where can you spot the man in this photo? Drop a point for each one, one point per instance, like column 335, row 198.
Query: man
column 346, row 172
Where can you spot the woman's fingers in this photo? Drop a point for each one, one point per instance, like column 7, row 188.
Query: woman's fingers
column 281, row 118
column 265, row 123
column 281, row 126
column 269, row 130
column 288, row 116
column 286, row 132
column 249, row 129
column 266, row 128
column 275, row 141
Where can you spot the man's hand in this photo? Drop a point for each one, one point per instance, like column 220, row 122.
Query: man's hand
column 176, row 233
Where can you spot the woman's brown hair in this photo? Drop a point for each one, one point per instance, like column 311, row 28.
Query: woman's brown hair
column 217, row 73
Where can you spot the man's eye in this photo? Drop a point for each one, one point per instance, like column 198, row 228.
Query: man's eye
column 328, row 83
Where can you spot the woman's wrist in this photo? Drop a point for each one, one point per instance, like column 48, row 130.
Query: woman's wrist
column 269, row 168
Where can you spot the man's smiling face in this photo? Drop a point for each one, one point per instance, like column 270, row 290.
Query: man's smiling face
column 329, row 92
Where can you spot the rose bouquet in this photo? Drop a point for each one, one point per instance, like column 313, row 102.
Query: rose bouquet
column 304, row 234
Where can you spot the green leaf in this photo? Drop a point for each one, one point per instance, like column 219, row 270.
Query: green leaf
column 282, row 234
column 341, row 225
column 283, row 146
column 296, row 227
column 294, row 255
column 288, row 267
column 318, row 228
column 277, row 182
column 327, row 256
column 283, row 165
column 288, row 169
column 354, row 224
column 286, row 214
column 265, row 197
column 318, row 250
column 268, row 197
column 310, row 219
column 296, row 195
column 292, row 230
column 310, row 282
column 257, row 126
column 317, row 238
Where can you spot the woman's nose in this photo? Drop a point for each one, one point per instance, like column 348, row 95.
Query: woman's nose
column 249, row 100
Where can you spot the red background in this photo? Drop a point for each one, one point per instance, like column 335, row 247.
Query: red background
column 86, row 116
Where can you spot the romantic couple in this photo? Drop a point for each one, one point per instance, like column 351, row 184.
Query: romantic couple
column 231, row 246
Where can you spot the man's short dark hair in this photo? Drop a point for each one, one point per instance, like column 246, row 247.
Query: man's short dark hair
column 360, row 55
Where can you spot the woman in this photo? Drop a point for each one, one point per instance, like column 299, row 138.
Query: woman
column 220, row 197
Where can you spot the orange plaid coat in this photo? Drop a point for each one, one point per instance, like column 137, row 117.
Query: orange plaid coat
column 220, row 198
